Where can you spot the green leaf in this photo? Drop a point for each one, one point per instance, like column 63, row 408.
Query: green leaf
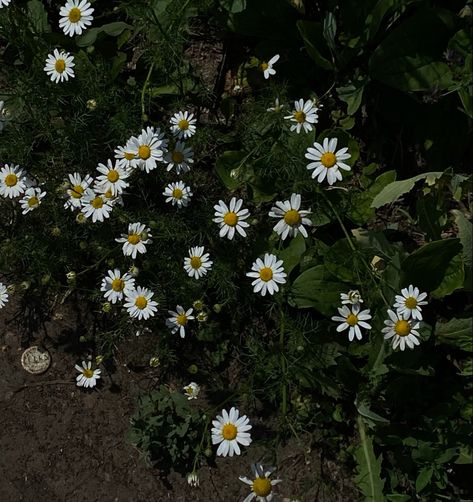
column 228, row 167
column 397, row 497
column 38, row 16
column 429, row 216
column 457, row 333
column 394, row 190
column 112, row 29
column 424, row 477
column 365, row 411
column 368, row 477
column 316, row 288
column 313, row 35
column 330, row 30
column 465, row 232
column 453, row 279
column 341, row 262
column 352, row 95
column 116, row 28
column 291, row 256
column 426, row 267
column 375, row 17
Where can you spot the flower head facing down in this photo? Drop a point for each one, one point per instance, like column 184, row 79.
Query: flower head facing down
column 135, row 241
column 193, row 479
column 403, row 331
column 178, row 193
column 352, row 319
column 139, row 303
column 116, row 286
column 261, row 484
column 267, row 274
column 12, row 181
column 191, row 391
column 291, row 218
column 276, row 108
column 231, row 218
column 180, row 158
column 229, row 430
column 304, row 115
column 3, row 295
column 267, row 67
column 183, row 124
column 179, row 319
column 198, row 263
column 87, row 376
column 327, row 161
column 59, row 66
column 76, row 16
column 351, row 298
column 31, row 199
column 410, row 301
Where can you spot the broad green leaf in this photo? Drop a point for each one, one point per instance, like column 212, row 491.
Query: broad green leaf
column 426, row 266
column 375, row 17
column 352, row 95
column 88, row 38
column 292, row 254
column 116, row 28
column 394, row 190
column 318, row 289
column 423, row 478
column 313, row 35
column 465, row 456
column 457, row 333
column 228, row 167
column 453, row 279
column 368, row 477
column 365, row 411
column 112, row 29
column 429, row 216
column 330, row 30
column 465, row 232
column 342, row 262
column 461, row 43
column 38, row 16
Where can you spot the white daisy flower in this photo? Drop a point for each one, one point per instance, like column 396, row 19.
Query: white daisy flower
column 78, row 186
column 179, row 158
column 267, row 67
column 112, row 177
column 139, row 304
column 178, row 194
column 268, row 273
column 276, row 108
column 135, row 241
column 352, row 319
column 178, row 320
column 410, row 301
column 231, row 218
column 12, row 181
column 183, row 124
column 95, row 205
column 108, row 195
column 193, row 479
column 261, row 485
column 191, row 391
column 3, row 295
column 31, row 199
column 327, row 161
column 304, row 116
column 116, row 285
column 4, row 3
column 402, row 330
column 87, row 376
column 59, row 66
column 228, row 430
column 292, row 218
column 148, row 149
column 351, row 298
column 75, row 17
column 124, row 156
column 197, row 264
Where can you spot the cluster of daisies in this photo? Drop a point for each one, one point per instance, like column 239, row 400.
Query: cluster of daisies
column 402, row 325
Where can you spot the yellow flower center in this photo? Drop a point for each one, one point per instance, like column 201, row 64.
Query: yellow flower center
column 88, row 373
column 196, row 262
column 328, row 159
column 134, row 238
column 60, row 65
column 177, row 193
column 352, row 319
column 141, row 302
column 118, row 285
column 402, row 328
column 97, row 203
column 128, row 156
column 144, row 152
column 183, row 124
column 411, row 303
column 108, row 194
column 300, row 117
column 229, row 432
column 33, row 201
column 11, row 180
column 264, row 66
column 181, row 319
column 266, row 274
column 230, row 219
column 113, row 176
column 292, row 217
column 177, row 156
column 262, row 487
column 77, row 191
column 75, row 15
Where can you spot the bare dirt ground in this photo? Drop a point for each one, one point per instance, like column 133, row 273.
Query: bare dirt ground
column 59, row 442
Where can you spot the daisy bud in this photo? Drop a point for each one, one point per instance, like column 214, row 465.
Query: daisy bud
column 45, row 279
column 202, row 316
column 91, row 104
column 217, row 308
column 193, row 479
column 83, row 245
column 193, row 369
column 90, row 49
column 154, row 362
column 81, row 218
column 99, row 360
column 198, row 305
column 11, row 289
column 234, row 173
column 106, row 307
column 208, row 452
column 71, row 276
column 55, row 231
column 26, row 285
column 378, row 264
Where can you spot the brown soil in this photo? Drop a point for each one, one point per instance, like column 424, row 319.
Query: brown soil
column 63, row 443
